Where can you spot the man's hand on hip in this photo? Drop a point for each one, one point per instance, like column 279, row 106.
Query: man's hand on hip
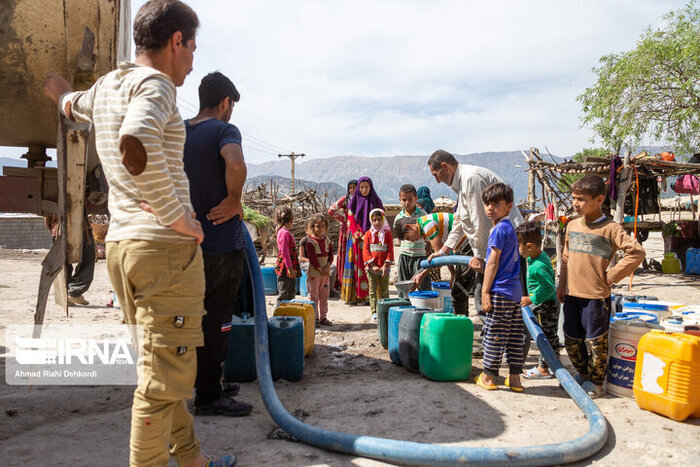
column 226, row 210
column 186, row 224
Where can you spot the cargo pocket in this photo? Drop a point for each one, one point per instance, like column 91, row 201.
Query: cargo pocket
column 172, row 312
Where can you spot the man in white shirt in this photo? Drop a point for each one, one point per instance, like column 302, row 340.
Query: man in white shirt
column 468, row 181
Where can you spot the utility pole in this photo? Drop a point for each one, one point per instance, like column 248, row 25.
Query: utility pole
column 292, row 157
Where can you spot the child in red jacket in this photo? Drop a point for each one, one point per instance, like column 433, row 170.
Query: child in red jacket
column 378, row 257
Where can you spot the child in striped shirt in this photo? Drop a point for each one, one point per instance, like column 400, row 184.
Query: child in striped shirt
column 433, row 228
column 412, row 252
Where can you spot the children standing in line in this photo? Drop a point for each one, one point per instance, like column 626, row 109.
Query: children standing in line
column 412, row 252
column 287, row 267
column 378, row 258
column 541, row 291
column 584, row 284
column 502, row 292
column 320, row 253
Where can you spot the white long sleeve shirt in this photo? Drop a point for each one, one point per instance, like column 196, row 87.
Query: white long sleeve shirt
column 139, row 101
column 469, row 183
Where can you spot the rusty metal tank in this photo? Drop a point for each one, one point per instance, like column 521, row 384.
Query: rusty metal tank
column 79, row 39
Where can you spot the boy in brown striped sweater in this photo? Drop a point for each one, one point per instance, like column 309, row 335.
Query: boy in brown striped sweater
column 585, row 280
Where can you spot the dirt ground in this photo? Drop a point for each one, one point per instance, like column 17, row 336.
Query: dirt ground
column 349, row 385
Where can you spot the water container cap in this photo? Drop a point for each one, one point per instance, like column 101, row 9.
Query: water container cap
column 635, row 315
column 440, row 285
column 423, row 294
column 645, row 306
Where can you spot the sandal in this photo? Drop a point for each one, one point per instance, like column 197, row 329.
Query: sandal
column 326, row 322
column 593, row 391
column 480, row 382
column 536, row 373
column 513, row 388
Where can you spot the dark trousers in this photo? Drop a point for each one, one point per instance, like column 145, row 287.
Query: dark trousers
column 222, row 274
column 408, row 266
column 467, row 281
column 586, row 323
column 286, row 288
column 244, row 302
column 79, row 280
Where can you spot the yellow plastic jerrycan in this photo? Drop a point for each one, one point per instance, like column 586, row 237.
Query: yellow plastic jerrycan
column 307, row 312
column 671, row 264
column 667, row 374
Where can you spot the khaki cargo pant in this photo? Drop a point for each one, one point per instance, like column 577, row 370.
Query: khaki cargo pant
column 160, row 286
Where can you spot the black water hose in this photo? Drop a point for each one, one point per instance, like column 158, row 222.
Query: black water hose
column 412, row 453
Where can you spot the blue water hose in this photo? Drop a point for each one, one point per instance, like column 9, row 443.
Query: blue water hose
column 412, row 453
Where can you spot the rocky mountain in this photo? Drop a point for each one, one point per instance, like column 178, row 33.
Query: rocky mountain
column 389, row 173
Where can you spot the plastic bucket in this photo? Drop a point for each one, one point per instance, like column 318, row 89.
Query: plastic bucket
column 424, row 299
column 444, row 295
column 623, row 339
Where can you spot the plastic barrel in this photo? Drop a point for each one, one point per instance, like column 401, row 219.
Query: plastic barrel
column 444, row 292
column 383, row 306
column 286, row 337
column 445, row 348
column 635, row 315
column 395, row 314
column 660, row 309
column 623, row 339
column 424, row 299
column 269, row 280
column 409, row 337
column 692, row 261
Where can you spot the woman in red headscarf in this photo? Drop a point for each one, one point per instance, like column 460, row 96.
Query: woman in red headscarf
column 339, row 212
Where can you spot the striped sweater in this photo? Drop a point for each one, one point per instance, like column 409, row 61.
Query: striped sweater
column 139, row 101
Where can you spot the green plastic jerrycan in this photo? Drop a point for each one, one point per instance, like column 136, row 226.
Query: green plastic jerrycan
column 445, row 350
column 383, row 306
column 239, row 366
column 671, row 264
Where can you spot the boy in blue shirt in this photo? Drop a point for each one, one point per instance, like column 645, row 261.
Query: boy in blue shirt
column 501, row 293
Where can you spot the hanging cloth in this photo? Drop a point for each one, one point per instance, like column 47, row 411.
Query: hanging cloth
column 615, row 163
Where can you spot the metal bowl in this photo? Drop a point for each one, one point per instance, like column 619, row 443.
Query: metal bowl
column 405, row 286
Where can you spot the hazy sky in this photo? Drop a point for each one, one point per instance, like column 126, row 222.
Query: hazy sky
column 394, row 77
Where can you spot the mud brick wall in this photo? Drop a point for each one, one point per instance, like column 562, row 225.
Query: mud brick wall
column 24, row 233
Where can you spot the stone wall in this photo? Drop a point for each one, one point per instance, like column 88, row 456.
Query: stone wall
column 24, row 232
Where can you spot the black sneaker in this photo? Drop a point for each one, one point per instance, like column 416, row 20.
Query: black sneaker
column 224, row 406
column 230, row 389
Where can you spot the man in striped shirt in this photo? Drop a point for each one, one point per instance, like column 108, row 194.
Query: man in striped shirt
column 153, row 254
column 433, row 228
